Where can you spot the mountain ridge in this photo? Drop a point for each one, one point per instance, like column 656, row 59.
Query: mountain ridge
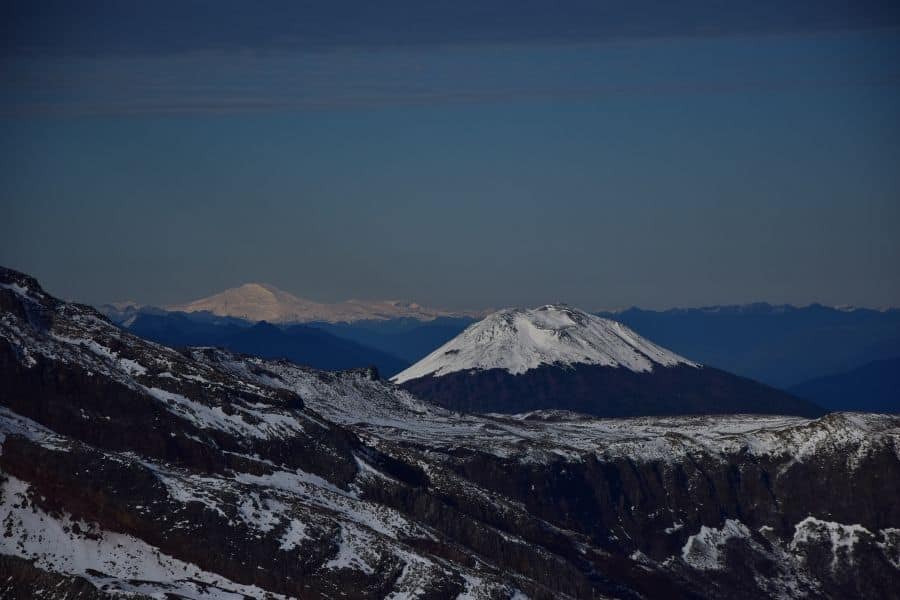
column 872, row 387
column 760, row 306
column 779, row 346
column 265, row 302
column 303, row 344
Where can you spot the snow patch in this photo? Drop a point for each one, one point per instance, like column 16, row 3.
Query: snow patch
column 842, row 538
column 269, row 422
column 293, row 535
column 355, row 551
column 704, row 550
column 890, row 545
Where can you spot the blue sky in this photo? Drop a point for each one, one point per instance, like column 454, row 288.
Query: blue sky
column 460, row 154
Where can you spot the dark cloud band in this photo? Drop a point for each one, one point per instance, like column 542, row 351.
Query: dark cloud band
column 124, row 27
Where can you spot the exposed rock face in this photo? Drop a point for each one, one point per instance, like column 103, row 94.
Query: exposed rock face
column 128, row 467
column 561, row 358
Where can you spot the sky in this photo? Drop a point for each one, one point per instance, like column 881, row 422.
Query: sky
column 460, row 154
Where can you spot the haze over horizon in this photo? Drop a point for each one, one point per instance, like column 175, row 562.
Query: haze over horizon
column 472, row 310
column 463, row 156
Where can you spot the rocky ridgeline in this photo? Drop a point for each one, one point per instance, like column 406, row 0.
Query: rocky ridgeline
column 132, row 468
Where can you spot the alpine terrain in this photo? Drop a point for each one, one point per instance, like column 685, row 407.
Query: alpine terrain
column 559, row 357
column 128, row 468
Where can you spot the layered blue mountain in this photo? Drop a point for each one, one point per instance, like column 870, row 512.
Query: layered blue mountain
column 782, row 346
column 778, row 345
column 873, row 387
column 408, row 339
column 299, row 343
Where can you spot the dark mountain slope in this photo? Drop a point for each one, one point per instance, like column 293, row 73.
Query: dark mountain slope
column 301, row 344
column 407, row 339
column 609, row 392
column 874, row 387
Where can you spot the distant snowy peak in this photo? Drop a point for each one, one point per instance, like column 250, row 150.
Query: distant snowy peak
column 263, row 302
column 518, row 340
column 252, row 301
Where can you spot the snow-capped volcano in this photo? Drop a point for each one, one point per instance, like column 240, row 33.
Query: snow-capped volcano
column 255, row 302
column 518, row 340
column 558, row 357
column 264, row 302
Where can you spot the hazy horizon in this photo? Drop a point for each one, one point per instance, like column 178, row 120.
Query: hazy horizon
column 471, row 307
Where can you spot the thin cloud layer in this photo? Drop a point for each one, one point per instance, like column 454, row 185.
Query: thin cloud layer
column 222, row 82
column 121, row 27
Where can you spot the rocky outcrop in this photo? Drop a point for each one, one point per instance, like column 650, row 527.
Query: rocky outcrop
column 21, row 580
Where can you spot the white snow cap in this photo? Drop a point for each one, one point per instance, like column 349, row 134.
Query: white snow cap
column 264, row 302
column 518, row 340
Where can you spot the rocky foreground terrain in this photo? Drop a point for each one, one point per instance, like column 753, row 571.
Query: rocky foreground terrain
column 129, row 468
